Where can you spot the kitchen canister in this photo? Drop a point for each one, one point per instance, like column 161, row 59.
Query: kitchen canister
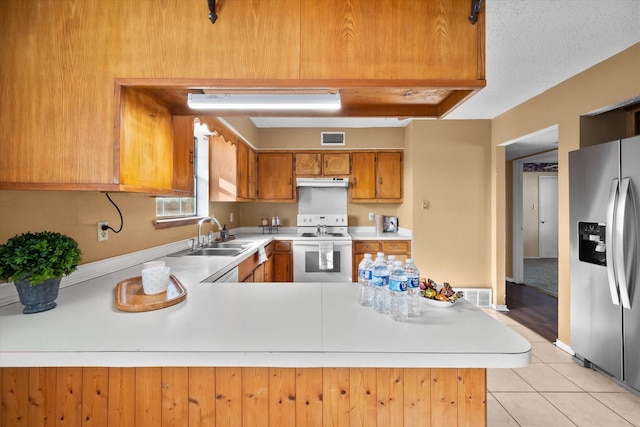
column 379, row 219
column 155, row 280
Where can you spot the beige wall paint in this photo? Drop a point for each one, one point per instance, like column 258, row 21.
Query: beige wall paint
column 77, row 214
column 244, row 128
column 251, row 213
column 450, row 166
column 309, row 138
column 530, row 212
column 607, row 83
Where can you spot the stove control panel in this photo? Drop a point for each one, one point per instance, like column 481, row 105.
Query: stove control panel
column 330, row 220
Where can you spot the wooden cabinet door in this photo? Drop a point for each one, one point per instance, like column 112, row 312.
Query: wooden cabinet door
column 243, row 171
column 269, row 272
column 183, row 149
column 252, row 170
column 336, row 164
column 389, row 176
column 258, row 273
column 283, row 261
column 283, row 267
column 308, row 164
column 395, row 39
column 146, row 143
column 275, row 177
column 363, row 185
column 222, row 169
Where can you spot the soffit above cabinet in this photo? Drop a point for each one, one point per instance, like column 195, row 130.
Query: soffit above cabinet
column 379, row 98
column 394, row 58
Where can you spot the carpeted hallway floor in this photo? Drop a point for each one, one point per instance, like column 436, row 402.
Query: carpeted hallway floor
column 542, row 274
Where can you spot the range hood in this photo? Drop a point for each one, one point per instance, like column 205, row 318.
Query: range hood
column 322, row 182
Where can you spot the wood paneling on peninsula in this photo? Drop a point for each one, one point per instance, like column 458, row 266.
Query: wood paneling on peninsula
column 235, row 396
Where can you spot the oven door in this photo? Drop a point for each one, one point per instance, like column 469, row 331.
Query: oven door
column 308, row 266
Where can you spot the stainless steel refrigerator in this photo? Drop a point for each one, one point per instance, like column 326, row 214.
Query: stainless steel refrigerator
column 604, row 206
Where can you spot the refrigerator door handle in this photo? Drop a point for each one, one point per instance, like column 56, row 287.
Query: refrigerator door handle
column 619, row 243
column 611, row 272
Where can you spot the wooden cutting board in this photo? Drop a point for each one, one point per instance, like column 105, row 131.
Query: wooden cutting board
column 129, row 295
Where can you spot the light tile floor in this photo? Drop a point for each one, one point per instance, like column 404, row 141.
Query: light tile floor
column 555, row 391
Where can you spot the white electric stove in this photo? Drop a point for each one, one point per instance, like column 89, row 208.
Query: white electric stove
column 322, row 249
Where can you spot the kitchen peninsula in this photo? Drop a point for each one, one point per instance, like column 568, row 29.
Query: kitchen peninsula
column 280, row 353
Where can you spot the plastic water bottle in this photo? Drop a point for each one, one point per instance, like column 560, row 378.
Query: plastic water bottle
column 391, row 259
column 398, row 306
column 380, row 282
column 413, row 288
column 365, row 288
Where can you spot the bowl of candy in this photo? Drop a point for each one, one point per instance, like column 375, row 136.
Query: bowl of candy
column 442, row 296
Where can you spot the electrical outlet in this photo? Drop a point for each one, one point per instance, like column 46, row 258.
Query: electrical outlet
column 103, row 234
column 371, row 216
column 425, row 204
column 231, row 217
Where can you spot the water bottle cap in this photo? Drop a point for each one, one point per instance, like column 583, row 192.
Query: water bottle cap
column 397, row 263
column 367, row 255
column 409, row 260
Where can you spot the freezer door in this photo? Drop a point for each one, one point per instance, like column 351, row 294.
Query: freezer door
column 596, row 322
column 630, row 155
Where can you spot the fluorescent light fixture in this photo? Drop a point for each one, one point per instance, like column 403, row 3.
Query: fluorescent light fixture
column 266, row 101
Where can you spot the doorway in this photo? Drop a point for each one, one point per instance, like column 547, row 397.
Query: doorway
column 531, row 288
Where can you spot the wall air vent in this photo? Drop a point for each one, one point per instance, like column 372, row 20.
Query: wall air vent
column 332, row 138
column 479, row 297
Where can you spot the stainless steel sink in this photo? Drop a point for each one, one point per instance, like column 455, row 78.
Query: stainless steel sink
column 216, row 252
column 217, row 249
column 216, row 245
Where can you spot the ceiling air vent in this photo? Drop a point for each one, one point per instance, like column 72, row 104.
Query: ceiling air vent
column 331, row 138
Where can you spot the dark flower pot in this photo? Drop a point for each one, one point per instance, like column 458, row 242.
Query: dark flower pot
column 40, row 297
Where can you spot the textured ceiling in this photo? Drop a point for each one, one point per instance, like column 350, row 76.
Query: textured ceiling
column 531, row 46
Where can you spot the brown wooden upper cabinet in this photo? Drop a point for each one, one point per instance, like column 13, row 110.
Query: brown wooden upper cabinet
column 246, row 176
column 223, row 155
column 183, row 154
column 394, row 57
column 322, row 164
column 396, row 39
column 232, row 166
column 377, row 177
column 155, row 149
column 275, row 177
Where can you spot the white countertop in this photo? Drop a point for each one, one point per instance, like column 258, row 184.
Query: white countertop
column 228, row 324
column 275, row 324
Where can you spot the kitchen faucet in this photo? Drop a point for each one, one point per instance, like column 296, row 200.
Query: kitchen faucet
column 210, row 219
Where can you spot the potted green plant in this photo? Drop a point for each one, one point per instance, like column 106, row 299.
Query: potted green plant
column 36, row 262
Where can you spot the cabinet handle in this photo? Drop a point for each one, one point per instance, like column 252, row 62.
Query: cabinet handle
column 380, row 180
column 191, row 156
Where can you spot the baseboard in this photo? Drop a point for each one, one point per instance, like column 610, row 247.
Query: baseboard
column 564, row 347
column 499, row 307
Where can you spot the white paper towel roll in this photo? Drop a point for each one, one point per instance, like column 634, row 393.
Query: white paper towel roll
column 379, row 223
